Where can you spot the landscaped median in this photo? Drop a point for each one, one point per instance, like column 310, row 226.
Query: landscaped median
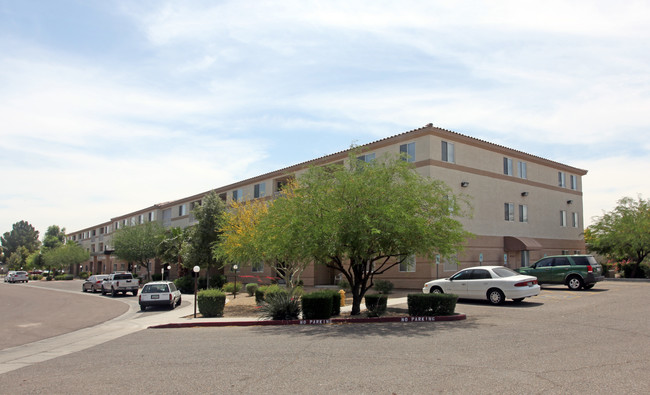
column 364, row 320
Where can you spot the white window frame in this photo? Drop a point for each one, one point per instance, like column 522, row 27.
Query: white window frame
column 523, row 170
column 450, row 264
column 367, row 157
column 408, row 264
column 448, row 152
column 575, row 219
column 561, row 179
column 525, row 258
column 182, row 210
column 523, row 213
column 509, row 212
column 573, row 180
column 259, row 190
column 507, row 167
column 409, row 150
column 563, row 218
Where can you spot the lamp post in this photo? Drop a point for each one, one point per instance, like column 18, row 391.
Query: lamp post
column 196, row 285
column 235, row 267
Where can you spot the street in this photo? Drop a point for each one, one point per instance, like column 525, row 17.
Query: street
column 562, row 341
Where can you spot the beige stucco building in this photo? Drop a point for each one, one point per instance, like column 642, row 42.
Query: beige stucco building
column 524, row 206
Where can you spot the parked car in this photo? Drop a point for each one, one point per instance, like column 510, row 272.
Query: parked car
column 159, row 293
column 494, row 283
column 574, row 271
column 16, row 276
column 120, row 282
column 94, row 283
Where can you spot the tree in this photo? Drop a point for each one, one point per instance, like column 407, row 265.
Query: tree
column 171, row 245
column 201, row 238
column 65, row 256
column 54, row 237
column 623, row 233
column 250, row 234
column 18, row 260
column 364, row 218
column 138, row 243
column 22, row 235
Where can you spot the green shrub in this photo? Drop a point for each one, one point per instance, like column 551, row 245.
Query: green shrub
column 230, row 287
column 336, row 300
column 428, row 305
column 68, row 276
column 628, row 268
column 185, row 284
column 48, row 278
column 344, row 285
column 317, row 305
column 156, row 277
column 217, row 281
column 376, row 304
column 84, row 275
column 211, row 302
column 384, row 286
column 646, row 269
column 251, row 287
column 259, row 294
column 280, row 306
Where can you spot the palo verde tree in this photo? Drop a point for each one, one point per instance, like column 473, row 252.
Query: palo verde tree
column 202, row 237
column 254, row 231
column 623, row 233
column 138, row 243
column 363, row 218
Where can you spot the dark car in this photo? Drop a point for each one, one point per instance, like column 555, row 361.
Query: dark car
column 94, row 283
column 574, row 271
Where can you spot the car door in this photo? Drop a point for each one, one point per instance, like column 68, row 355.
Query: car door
column 561, row 267
column 543, row 270
column 458, row 283
column 478, row 284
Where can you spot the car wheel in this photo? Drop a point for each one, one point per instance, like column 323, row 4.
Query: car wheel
column 495, row 296
column 436, row 290
column 93, row 290
column 590, row 286
column 113, row 292
column 83, row 289
column 172, row 306
column 135, row 293
column 518, row 300
column 103, row 291
column 574, row 283
column 179, row 301
column 143, row 307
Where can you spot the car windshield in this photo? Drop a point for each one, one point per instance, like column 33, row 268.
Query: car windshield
column 155, row 288
column 505, row 272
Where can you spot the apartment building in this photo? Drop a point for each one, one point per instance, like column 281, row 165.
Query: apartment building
column 524, row 206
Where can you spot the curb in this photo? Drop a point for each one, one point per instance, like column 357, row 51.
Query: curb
column 406, row 319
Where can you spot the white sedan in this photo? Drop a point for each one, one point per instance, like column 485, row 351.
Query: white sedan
column 494, row 283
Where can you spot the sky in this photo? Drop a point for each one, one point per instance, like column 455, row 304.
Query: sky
column 111, row 106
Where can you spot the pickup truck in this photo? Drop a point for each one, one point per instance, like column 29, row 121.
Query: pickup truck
column 120, row 282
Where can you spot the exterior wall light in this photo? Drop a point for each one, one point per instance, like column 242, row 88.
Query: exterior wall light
column 464, row 184
column 524, row 194
column 569, row 201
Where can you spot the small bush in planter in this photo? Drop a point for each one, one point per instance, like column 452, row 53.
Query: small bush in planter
column 250, row 288
column 384, row 286
column 317, row 305
column 376, row 304
column 230, row 287
column 428, row 305
column 211, row 302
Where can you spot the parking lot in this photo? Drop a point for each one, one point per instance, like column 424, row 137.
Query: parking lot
column 558, row 342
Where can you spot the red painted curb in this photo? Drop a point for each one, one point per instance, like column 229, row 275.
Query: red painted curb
column 407, row 319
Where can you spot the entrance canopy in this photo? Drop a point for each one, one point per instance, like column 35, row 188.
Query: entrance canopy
column 511, row 243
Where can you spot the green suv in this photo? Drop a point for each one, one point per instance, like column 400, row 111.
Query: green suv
column 574, row 271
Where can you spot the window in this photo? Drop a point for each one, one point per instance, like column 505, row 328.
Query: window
column 561, row 179
column 479, row 274
column 448, row 152
column 152, row 216
column 237, row 195
column 141, row 219
column 407, row 152
column 509, row 211
column 101, row 230
column 167, row 217
column 523, row 171
column 408, row 264
column 182, row 210
column 259, row 190
column 562, row 218
column 366, row 157
column 574, row 221
column 507, row 166
column 450, row 264
column 564, row 252
column 94, row 232
column 574, row 182
column 257, row 267
column 525, row 258
column 92, row 248
column 101, row 246
column 523, row 213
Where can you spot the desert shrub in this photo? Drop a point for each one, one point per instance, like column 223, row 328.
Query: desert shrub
column 646, row 269
column 211, row 302
column 156, row 277
column 84, row 275
column 280, row 306
column 384, row 286
column 250, row 288
column 230, row 287
column 376, row 304
column 317, row 305
column 217, row 281
column 628, row 269
column 185, row 284
column 344, row 285
column 427, row 305
column 62, row 277
column 48, row 278
column 259, row 294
